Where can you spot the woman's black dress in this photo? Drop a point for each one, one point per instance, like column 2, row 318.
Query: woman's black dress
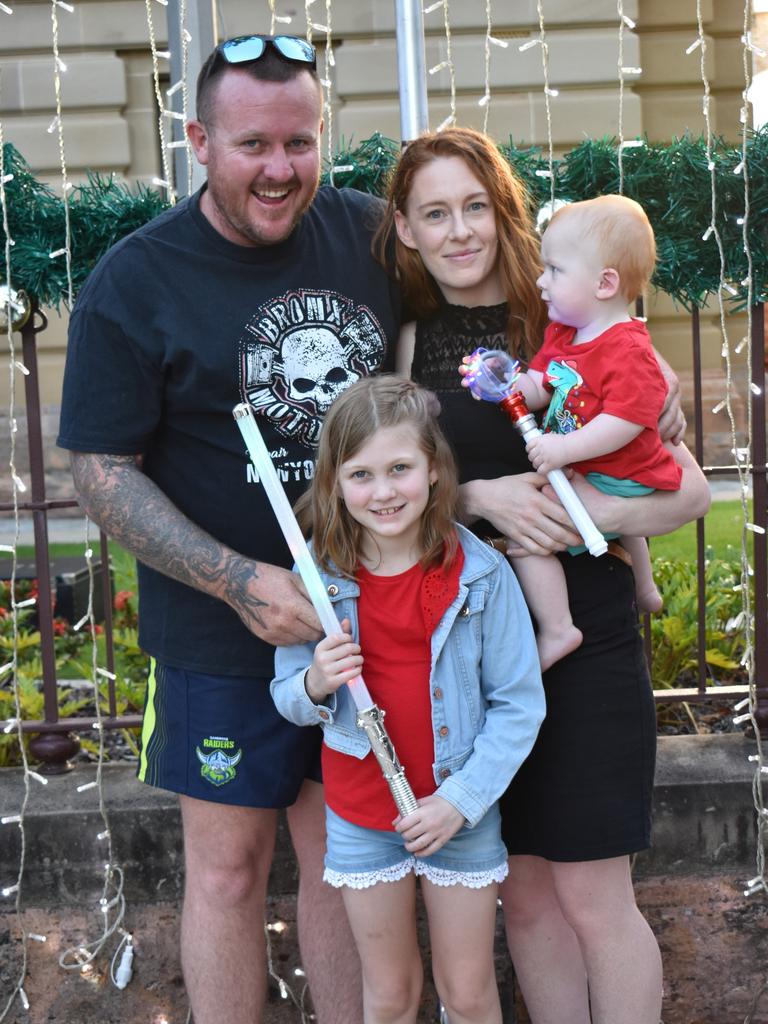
column 584, row 792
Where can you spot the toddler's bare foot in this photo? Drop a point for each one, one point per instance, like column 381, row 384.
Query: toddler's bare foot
column 555, row 644
column 649, row 600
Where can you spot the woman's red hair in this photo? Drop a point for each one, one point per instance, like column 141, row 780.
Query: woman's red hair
column 519, row 261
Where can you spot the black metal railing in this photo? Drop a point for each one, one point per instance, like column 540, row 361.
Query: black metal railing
column 755, row 469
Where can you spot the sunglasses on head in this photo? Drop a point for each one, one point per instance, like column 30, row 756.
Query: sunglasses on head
column 245, row 49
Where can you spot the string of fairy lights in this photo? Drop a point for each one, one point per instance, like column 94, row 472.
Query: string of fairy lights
column 746, row 709
column 549, row 94
column 186, row 39
column 14, row 888
column 447, row 64
column 489, row 41
column 58, row 68
column 758, row 883
column 165, row 182
column 112, row 901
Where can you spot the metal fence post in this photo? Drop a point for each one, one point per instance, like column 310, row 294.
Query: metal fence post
column 759, row 514
column 52, row 748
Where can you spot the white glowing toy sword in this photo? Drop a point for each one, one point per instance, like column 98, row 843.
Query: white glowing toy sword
column 370, row 717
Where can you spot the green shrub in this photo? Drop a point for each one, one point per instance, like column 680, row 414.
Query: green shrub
column 74, row 652
column 674, row 631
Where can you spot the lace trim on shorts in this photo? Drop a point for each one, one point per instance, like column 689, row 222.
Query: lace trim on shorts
column 365, row 879
column 435, row 875
column 469, row 879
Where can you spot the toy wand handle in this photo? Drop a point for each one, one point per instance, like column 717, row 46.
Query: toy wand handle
column 514, row 406
column 370, row 717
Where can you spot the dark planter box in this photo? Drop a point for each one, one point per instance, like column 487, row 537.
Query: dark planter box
column 70, row 586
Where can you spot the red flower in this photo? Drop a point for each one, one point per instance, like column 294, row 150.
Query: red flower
column 122, row 597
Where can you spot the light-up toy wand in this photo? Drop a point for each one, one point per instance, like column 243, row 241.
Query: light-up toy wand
column 370, row 717
column 492, row 375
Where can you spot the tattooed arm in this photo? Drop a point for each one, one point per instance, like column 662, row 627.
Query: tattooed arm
column 132, row 510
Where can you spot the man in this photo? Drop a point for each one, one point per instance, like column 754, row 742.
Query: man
column 260, row 288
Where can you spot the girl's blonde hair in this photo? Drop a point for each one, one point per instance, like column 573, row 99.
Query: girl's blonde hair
column 371, row 404
column 519, row 260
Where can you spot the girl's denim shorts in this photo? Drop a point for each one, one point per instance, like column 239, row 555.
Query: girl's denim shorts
column 360, row 857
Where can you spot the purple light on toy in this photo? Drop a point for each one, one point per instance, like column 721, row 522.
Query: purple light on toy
column 491, row 374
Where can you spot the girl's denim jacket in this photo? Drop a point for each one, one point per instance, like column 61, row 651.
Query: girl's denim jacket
column 485, row 683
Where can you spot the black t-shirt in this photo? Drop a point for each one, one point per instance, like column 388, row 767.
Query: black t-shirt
column 173, row 328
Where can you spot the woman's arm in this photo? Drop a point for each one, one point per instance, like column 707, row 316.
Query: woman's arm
column 652, row 514
column 526, row 510
column 671, row 421
column 404, row 351
column 518, row 506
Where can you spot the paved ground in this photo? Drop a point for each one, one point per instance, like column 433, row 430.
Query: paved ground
column 156, row 994
column 712, row 940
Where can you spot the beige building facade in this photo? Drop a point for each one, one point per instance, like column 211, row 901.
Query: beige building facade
column 110, row 114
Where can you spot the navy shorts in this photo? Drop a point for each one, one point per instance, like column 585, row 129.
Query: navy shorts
column 220, row 738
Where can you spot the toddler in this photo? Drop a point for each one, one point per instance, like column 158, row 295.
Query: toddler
column 599, row 377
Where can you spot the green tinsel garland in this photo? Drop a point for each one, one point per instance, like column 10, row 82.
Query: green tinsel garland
column 671, row 180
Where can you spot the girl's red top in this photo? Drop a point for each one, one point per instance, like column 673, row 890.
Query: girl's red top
column 397, row 616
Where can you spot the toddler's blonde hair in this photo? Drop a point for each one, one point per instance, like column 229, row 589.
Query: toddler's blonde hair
column 624, row 236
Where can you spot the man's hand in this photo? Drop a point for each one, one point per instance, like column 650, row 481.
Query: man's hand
column 535, row 522
column 430, row 827
column 547, row 452
column 337, row 660
column 271, row 601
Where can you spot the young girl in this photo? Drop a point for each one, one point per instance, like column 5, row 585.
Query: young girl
column 435, row 620
column 467, row 261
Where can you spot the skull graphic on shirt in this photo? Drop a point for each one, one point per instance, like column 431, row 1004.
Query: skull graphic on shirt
column 316, row 366
column 300, row 350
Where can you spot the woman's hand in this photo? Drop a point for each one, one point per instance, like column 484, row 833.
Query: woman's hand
column 430, row 827
column 672, row 420
column 336, row 661
column 535, row 522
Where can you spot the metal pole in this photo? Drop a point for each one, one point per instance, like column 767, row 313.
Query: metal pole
column 200, row 25
column 411, row 72
column 760, row 513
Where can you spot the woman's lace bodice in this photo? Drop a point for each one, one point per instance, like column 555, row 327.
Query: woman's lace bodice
column 444, row 340
column 484, row 440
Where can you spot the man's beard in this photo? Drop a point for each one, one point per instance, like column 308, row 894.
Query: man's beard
column 249, row 229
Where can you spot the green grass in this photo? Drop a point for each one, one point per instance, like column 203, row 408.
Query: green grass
column 722, row 533
column 26, row 552
column 123, row 564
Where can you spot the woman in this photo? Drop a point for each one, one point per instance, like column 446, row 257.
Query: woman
column 467, row 261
